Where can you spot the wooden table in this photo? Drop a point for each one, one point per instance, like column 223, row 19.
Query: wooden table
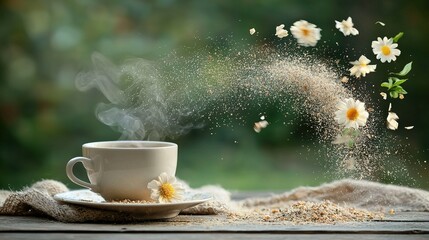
column 402, row 225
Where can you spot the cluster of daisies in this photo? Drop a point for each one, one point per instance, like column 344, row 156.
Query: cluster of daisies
column 351, row 114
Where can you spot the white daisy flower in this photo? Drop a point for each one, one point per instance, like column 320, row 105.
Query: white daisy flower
column 385, row 49
column 384, row 95
column 361, row 67
column 392, row 124
column 280, row 32
column 307, row 34
column 351, row 113
column 252, row 31
column 166, row 189
column 409, row 127
column 346, row 27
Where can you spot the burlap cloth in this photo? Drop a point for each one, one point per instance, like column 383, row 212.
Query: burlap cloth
column 37, row 200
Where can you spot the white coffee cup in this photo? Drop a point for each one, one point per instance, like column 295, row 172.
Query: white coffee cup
column 119, row 170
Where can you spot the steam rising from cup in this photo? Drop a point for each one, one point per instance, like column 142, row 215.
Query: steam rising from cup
column 139, row 106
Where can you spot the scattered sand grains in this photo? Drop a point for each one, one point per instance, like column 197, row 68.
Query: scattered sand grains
column 303, row 212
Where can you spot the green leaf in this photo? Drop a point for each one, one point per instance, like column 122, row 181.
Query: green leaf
column 399, row 82
column 394, row 94
column 396, row 89
column 393, row 79
column 402, row 91
column 397, row 37
column 407, row 68
column 386, row 84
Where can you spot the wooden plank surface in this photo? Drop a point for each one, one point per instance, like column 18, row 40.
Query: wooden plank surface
column 199, row 236
column 202, row 224
column 401, row 225
column 407, row 217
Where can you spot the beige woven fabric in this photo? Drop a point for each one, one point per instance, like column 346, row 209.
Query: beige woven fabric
column 37, row 200
column 354, row 193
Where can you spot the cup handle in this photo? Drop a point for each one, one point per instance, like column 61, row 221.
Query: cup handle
column 69, row 170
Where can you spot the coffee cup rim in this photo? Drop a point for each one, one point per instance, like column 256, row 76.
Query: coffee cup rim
column 117, row 144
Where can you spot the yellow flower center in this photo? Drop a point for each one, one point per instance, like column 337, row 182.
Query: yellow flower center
column 385, row 50
column 305, row 31
column 167, row 191
column 352, row 114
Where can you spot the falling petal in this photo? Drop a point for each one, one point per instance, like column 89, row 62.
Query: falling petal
column 392, row 124
column 344, row 79
column 258, row 126
column 252, row 31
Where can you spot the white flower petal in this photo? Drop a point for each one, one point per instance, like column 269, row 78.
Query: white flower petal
column 153, row 184
column 388, row 41
column 258, row 126
column 163, row 178
column 280, row 32
column 396, row 52
column 392, row 116
column 392, row 124
column 337, row 24
column 252, row 31
column 154, row 195
column 280, row 27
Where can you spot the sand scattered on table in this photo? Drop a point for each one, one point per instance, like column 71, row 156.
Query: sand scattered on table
column 303, row 212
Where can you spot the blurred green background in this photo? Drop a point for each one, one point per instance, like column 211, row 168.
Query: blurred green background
column 44, row 120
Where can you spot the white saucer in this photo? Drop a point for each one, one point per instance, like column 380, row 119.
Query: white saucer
column 139, row 210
